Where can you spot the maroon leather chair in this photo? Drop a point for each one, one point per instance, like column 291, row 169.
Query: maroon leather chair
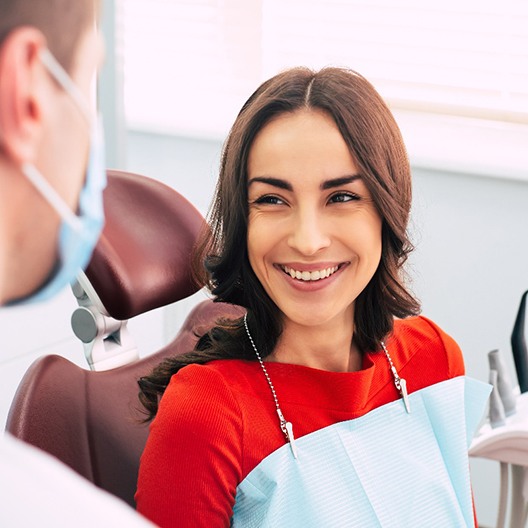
column 91, row 420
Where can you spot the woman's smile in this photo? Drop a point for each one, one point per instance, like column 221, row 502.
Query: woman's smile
column 310, row 278
column 304, row 274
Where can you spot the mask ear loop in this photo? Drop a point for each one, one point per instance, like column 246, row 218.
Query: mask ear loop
column 61, row 76
column 50, row 194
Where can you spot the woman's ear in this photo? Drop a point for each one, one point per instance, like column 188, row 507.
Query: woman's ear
column 22, row 93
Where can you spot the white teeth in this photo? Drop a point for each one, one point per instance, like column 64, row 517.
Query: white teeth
column 310, row 275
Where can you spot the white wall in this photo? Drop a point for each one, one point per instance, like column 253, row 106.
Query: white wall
column 470, row 269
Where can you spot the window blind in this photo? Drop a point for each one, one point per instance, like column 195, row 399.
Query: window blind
column 190, row 64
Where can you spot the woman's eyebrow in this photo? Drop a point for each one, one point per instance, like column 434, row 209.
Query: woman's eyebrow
column 276, row 182
column 337, row 182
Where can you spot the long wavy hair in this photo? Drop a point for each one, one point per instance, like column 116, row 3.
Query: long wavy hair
column 221, row 260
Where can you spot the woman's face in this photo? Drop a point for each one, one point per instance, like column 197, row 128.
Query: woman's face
column 314, row 233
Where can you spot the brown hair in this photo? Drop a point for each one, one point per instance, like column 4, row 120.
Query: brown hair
column 373, row 137
column 62, row 22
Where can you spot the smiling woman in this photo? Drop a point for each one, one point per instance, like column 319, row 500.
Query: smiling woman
column 290, row 415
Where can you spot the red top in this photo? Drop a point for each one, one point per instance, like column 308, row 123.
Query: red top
column 216, row 422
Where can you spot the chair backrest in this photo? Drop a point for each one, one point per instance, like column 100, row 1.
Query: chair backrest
column 92, row 420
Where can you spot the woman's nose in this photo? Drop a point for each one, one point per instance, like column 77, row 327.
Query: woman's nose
column 309, row 233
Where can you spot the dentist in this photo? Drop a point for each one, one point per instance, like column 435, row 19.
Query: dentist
column 52, row 176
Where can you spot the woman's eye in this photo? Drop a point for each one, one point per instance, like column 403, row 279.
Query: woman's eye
column 343, row 197
column 268, row 199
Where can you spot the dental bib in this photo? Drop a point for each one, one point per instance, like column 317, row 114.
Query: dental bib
column 385, row 469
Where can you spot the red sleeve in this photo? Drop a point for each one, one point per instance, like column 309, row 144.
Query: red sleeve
column 191, row 464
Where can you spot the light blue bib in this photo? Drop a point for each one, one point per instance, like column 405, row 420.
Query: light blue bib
column 384, row 469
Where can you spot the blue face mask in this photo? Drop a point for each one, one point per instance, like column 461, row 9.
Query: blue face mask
column 78, row 233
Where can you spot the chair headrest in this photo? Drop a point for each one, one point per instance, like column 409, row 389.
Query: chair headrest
column 143, row 259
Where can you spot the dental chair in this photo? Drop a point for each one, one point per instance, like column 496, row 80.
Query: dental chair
column 91, row 419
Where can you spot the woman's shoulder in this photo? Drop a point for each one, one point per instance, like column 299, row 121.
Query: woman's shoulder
column 420, row 339
column 215, row 374
column 199, row 397
column 211, row 385
column 198, row 380
column 423, row 329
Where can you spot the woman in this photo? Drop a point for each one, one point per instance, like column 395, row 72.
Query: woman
column 291, row 415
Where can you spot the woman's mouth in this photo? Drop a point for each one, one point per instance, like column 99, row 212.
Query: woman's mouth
column 308, row 276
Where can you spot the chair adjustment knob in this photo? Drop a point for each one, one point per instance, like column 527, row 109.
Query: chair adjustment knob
column 84, row 324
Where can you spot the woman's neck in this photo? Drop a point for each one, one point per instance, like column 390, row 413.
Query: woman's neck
column 329, row 347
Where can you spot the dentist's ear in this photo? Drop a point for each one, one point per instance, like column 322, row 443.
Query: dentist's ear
column 22, row 94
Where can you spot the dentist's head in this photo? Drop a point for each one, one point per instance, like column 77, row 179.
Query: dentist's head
column 51, row 163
